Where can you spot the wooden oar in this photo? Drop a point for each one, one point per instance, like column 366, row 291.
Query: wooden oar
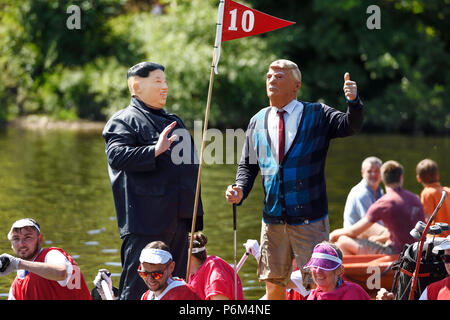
column 106, row 290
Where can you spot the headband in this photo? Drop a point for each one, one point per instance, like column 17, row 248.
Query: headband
column 155, row 256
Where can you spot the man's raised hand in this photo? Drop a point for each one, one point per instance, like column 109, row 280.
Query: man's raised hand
column 350, row 88
column 164, row 141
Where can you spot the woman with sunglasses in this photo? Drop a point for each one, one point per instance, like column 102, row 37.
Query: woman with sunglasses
column 211, row 277
column 327, row 271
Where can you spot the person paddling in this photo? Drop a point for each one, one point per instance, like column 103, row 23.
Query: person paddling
column 327, row 271
column 212, row 278
column 155, row 269
column 42, row 273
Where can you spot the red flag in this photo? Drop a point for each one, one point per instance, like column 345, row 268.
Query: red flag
column 240, row 21
column 235, row 21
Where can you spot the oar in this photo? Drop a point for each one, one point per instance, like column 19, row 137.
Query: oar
column 106, row 290
column 241, row 262
column 235, row 252
column 251, row 248
column 422, row 240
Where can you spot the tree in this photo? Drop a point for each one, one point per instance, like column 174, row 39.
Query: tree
column 183, row 41
column 39, row 52
column 398, row 67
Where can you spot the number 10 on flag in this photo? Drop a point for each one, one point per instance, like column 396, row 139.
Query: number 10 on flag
column 235, row 21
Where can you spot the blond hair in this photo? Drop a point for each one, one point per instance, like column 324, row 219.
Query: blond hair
column 287, row 65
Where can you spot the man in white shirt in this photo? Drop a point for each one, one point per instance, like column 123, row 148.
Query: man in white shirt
column 292, row 116
column 362, row 196
column 287, row 143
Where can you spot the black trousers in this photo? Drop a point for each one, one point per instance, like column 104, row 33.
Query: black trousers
column 131, row 286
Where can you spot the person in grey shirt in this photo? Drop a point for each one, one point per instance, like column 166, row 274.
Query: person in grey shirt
column 361, row 197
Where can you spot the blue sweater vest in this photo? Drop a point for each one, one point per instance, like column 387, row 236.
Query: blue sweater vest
column 295, row 190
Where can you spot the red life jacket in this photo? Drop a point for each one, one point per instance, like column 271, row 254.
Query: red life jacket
column 439, row 290
column 34, row 287
column 294, row 295
column 177, row 290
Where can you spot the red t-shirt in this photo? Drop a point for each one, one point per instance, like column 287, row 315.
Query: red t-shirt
column 294, row 295
column 399, row 210
column 177, row 289
column 215, row 277
column 34, row 287
column 439, row 290
column 346, row 291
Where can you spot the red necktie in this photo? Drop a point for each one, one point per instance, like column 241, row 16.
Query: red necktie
column 281, row 135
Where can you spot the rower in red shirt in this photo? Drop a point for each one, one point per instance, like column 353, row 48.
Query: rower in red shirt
column 42, row 274
column 211, row 277
column 156, row 267
column 327, row 271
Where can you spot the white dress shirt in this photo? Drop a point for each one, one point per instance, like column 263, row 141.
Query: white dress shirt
column 292, row 118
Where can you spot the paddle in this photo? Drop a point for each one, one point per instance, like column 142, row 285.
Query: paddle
column 106, row 290
column 251, row 248
column 422, row 240
column 235, row 251
column 241, row 262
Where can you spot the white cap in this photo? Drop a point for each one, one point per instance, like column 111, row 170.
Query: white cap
column 444, row 245
column 155, row 256
column 27, row 222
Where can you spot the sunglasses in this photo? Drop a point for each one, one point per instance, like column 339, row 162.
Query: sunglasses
column 446, row 258
column 156, row 275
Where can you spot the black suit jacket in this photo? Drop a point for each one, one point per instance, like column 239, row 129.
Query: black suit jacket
column 151, row 194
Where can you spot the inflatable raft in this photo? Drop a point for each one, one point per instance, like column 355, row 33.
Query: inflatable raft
column 372, row 271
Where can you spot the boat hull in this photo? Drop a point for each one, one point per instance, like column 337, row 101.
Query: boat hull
column 372, row 271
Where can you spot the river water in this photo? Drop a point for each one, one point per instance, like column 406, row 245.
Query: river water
column 60, row 179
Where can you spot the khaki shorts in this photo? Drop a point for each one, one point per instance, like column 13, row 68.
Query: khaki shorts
column 282, row 243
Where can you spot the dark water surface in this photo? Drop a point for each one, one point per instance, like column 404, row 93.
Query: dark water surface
column 60, row 179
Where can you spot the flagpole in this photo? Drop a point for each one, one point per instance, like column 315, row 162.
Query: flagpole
column 197, row 190
column 215, row 61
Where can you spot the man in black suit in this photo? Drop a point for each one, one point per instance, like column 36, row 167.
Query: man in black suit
column 153, row 191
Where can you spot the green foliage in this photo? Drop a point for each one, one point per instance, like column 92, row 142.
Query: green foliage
column 183, row 41
column 400, row 68
column 48, row 68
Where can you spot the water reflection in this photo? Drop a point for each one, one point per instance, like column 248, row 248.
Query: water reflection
column 110, row 250
column 91, row 243
column 60, row 179
column 96, row 231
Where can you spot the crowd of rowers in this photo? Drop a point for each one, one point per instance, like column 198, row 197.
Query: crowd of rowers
column 373, row 223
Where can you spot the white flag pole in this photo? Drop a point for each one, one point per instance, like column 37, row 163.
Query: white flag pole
column 218, row 36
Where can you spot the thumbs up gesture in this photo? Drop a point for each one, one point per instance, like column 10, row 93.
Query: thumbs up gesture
column 350, row 88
